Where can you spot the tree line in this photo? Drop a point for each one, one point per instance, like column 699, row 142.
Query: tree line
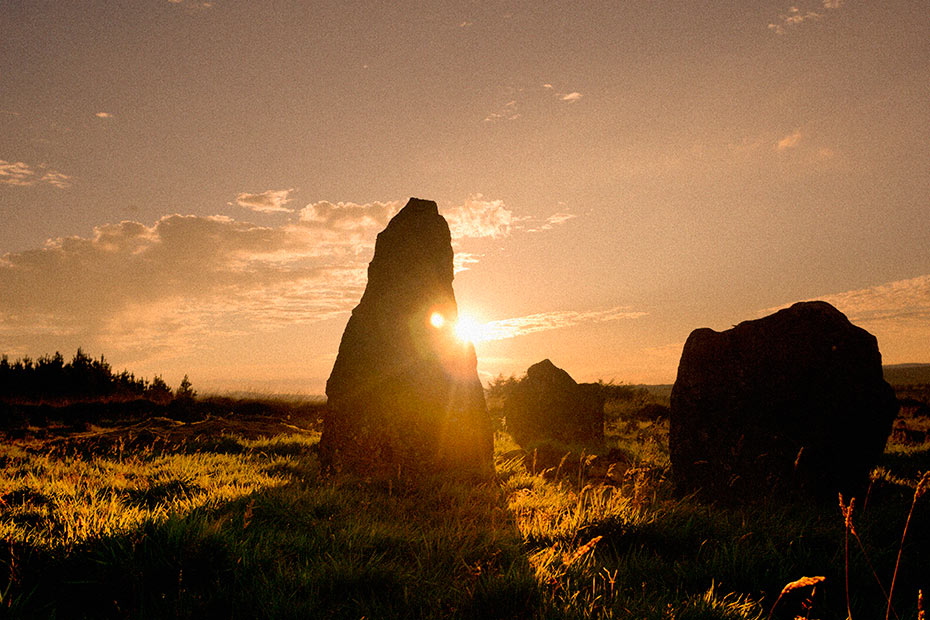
column 51, row 379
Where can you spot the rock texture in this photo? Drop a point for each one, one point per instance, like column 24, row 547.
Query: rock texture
column 548, row 404
column 793, row 403
column 404, row 395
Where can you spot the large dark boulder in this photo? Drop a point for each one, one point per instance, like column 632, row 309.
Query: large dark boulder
column 404, row 396
column 793, row 404
column 548, row 405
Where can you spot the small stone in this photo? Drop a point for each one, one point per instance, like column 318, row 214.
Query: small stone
column 548, row 405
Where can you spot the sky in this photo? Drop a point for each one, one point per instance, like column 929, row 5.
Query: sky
column 192, row 187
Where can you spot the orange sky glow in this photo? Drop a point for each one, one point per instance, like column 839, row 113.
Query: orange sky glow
column 196, row 187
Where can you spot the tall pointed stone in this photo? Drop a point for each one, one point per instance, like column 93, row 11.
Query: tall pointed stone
column 404, row 395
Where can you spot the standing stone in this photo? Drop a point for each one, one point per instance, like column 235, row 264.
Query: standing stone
column 549, row 405
column 404, row 395
column 791, row 403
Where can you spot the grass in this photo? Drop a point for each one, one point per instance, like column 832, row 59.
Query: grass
column 250, row 529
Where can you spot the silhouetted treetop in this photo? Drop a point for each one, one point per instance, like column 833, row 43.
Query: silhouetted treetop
column 51, row 379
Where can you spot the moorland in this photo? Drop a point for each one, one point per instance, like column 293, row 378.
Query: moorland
column 172, row 504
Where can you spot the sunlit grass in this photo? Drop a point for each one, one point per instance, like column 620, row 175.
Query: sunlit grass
column 54, row 502
column 249, row 528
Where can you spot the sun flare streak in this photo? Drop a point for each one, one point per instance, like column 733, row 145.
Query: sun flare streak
column 468, row 329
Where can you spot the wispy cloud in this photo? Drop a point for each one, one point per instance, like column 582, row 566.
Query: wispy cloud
column 23, row 175
column 533, row 225
column 269, row 201
column 343, row 228
column 789, row 141
column 56, row 179
column 793, row 18
column 507, row 112
column 796, row 16
column 479, row 218
column 346, row 216
column 463, row 260
column 545, row 321
column 193, row 4
column 16, row 173
column 897, row 313
column 894, row 301
column 530, row 100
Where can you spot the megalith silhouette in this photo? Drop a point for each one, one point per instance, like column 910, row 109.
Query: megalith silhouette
column 792, row 404
column 548, row 404
column 404, row 396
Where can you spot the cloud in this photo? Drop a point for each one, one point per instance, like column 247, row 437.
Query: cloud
column 796, row 16
column 179, row 282
column 545, row 321
column 789, row 141
column 897, row 313
column 16, row 173
column 793, row 18
column 56, row 179
column 557, row 218
column 479, row 218
column 531, row 99
column 533, row 225
column 463, row 260
column 902, row 300
column 345, row 216
column 195, row 5
column 185, row 280
column 23, row 175
column 269, row 201
column 344, row 227
column 103, row 115
column 508, row 112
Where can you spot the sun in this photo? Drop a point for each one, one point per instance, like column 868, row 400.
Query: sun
column 465, row 328
column 468, row 329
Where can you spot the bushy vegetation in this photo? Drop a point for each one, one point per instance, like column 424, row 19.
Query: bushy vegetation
column 52, row 380
column 249, row 528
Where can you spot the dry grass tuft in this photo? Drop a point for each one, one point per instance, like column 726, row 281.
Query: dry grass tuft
column 803, row 582
column 797, row 584
column 569, row 559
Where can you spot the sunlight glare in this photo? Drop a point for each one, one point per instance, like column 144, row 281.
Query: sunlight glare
column 437, row 320
column 468, row 329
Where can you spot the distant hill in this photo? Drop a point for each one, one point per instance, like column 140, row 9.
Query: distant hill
column 907, row 374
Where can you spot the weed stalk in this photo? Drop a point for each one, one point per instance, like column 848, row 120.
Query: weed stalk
column 921, row 488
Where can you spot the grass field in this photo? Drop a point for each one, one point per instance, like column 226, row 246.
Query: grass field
column 226, row 526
